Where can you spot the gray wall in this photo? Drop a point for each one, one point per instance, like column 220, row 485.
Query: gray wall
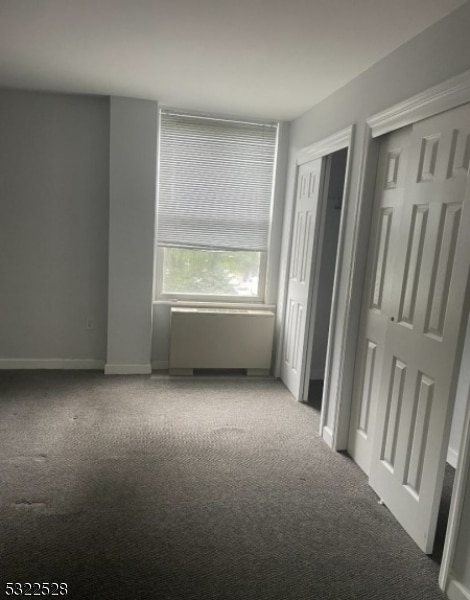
column 133, row 172
column 54, row 160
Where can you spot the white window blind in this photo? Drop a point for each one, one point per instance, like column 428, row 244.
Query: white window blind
column 216, row 182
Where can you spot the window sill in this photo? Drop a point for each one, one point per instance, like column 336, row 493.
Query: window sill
column 214, row 304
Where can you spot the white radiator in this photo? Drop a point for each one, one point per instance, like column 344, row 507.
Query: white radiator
column 220, row 338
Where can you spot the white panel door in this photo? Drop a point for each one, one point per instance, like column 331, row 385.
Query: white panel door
column 377, row 307
column 428, row 297
column 304, row 232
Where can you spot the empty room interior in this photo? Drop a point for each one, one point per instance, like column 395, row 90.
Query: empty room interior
column 234, row 298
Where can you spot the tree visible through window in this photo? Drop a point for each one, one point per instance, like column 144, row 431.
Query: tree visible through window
column 214, row 272
column 214, row 206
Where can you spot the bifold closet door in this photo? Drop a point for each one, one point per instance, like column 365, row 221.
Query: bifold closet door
column 428, row 303
column 377, row 307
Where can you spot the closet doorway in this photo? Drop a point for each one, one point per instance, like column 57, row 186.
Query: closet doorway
column 316, row 238
column 319, row 326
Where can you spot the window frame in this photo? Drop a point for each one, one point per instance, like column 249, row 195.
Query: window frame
column 181, row 296
column 265, row 257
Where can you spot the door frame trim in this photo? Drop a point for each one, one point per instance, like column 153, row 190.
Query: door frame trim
column 457, row 503
column 337, row 141
column 342, row 139
column 336, row 431
column 445, row 96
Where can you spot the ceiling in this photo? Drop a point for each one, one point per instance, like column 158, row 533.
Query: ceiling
column 260, row 58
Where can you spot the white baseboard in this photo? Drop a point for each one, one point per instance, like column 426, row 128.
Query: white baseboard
column 145, row 369
column 452, row 457
column 457, row 591
column 160, row 365
column 328, row 436
column 52, row 363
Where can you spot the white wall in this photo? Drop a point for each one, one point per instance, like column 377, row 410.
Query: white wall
column 435, row 55
column 328, row 263
column 54, row 156
column 133, row 172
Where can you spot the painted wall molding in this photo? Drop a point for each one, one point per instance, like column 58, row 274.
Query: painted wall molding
column 457, row 591
column 442, row 97
column 111, row 369
column 52, row 363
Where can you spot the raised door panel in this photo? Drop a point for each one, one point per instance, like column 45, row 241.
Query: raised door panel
column 413, row 263
column 368, row 379
column 301, row 246
column 382, row 259
column 419, row 438
column 437, row 301
column 393, row 406
column 293, row 336
column 376, row 307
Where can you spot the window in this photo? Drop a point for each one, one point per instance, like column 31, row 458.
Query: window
column 214, row 207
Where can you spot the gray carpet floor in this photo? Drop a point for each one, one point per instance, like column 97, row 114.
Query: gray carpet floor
column 201, row 488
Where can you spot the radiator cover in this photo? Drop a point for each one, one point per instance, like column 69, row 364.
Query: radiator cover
column 221, row 338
